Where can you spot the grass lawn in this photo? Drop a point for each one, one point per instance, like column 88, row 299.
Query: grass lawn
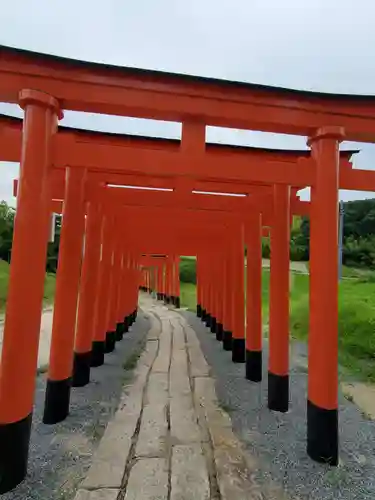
column 356, row 316
column 356, row 323
column 49, row 287
column 188, row 296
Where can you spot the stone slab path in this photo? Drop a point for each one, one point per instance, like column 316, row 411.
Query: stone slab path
column 169, row 439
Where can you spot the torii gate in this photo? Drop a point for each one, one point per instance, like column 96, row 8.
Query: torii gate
column 196, row 102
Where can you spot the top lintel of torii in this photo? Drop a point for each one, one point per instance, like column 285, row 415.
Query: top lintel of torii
column 100, row 88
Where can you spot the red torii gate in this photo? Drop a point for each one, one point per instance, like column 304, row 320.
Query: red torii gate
column 196, row 102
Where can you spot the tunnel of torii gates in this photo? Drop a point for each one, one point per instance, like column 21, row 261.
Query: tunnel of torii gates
column 131, row 226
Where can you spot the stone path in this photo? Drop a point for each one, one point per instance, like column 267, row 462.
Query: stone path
column 45, row 336
column 169, row 439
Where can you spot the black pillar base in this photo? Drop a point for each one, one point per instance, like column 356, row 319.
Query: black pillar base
column 126, row 324
column 167, row 299
column 219, row 331
column 322, row 434
column 238, row 350
column 110, row 341
column 158, row 296
column 14, row 452
column 133, row 316
column 278, row 392
column 208, row 320
column 173, row 300
column 227, row 340
column 97, row 353
column 213, row 325
column 199, row 310
column 203, row 314
column 56, row 405
column 254, row 365
column 177, row 302
column 81, row 369
column 119, row 331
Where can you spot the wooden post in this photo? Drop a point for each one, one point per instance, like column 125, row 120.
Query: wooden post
column 100, row 325
column 227, row 300
column 177, row 281
column 253, row 236
column 199, row 286
column 219, row 299
column 59, row 378
column 278, row 365
column 26, row 282
column 88, row 291
column 238, row 337
column 322, row 413
column 110, row 333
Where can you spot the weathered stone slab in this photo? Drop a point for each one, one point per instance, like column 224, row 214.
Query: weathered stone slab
column 109, row 461
column 191, row 336
column 161, row 364
column 153, row 432
column 198, row 364
column 103, row 494
column 179, row 362
column 148, row 480
column 189, row 479
column 148, row 355
column 179, row 379
column 184, row 426
column 157, row 389
column 178, row 337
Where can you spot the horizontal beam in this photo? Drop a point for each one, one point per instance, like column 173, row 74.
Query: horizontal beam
column 96, row 88
column 235, row 172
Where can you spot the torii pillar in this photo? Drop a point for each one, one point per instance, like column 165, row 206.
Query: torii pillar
column 278, row 365
column 322, row 403
column 59, row 381
column 26, row 283
column 253, row 239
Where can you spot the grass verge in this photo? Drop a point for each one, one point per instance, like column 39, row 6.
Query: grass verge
column 49, row 286
column 356, row 317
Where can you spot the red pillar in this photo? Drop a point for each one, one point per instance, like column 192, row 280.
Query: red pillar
column 177, row 281
column 219, row 299
column 227, row 301
column 278, row 364
column 126, row 285
column 214, row 286
column 253, row 238
column 26, row 283
column 199, row 285
column 88, row 291
column 322, row 413
column 100, row 322
column 238, row 334
column 160, row 280
column 116, row 324
column 56, row 405
column 110, row 333
column 208, row 280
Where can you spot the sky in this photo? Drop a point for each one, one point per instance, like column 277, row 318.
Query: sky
column 324, row 45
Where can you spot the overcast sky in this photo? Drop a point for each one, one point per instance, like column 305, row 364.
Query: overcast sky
column 323, row 45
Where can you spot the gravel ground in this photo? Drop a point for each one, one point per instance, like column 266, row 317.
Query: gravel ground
column 277, row 441
column 60, row 455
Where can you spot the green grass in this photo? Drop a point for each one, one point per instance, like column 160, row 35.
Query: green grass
column 356, row 317
column 49, row 286
column 356, row 323
column 188, row 296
